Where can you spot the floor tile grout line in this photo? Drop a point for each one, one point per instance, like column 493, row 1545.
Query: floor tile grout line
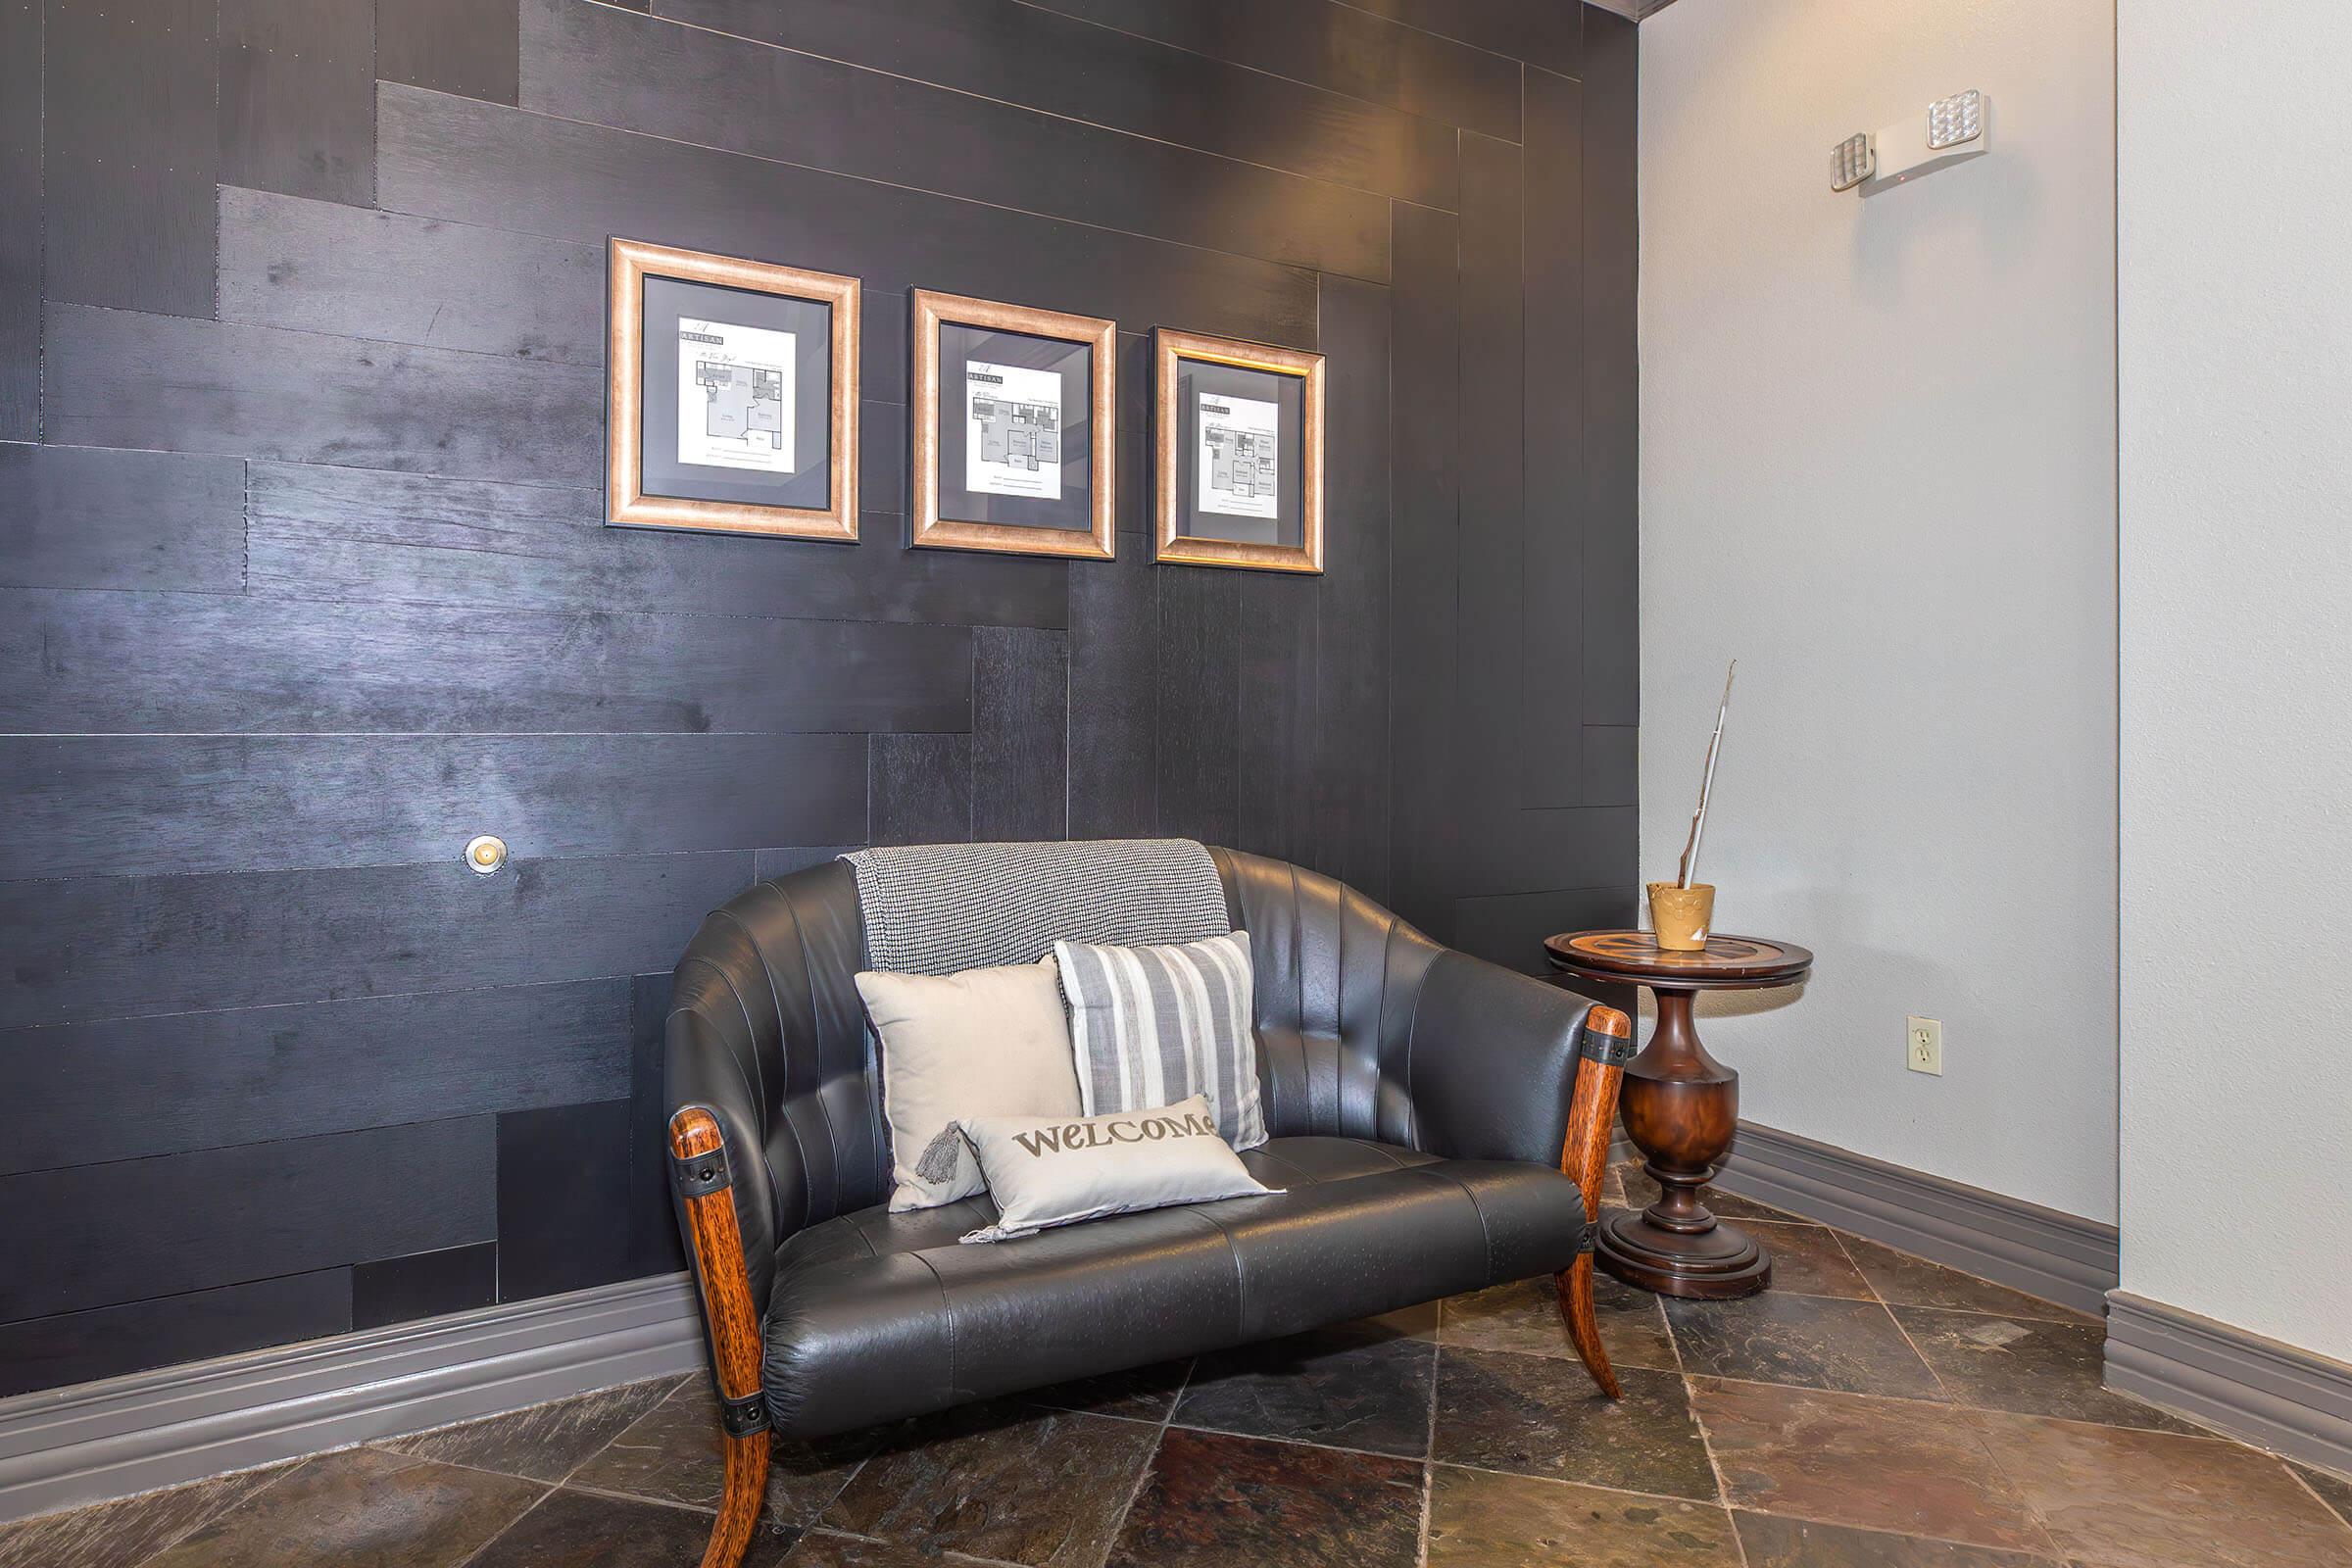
column 2301, row 1480
column 1706, row 1442
column 1566, row 1481
column 391, row 1444
column 1921, row 1355
column 1301, row 1442
column 1431, row 1461
column 945, row 1553
column 285, row 1467
column 1428, row 1445
column 546, row 1492
column 1949, row 1406
column 2056, row 1558
column 1142, row 1474
column 462, row 1464
column 615, row 1496
column 1976, row 1435
column 676, row 1387
column 1837, row 1240
column 2067, row 1314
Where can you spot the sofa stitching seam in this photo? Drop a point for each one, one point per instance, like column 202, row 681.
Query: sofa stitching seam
column 1296, row 1170
column 775, row 1196
column 1393, row 1162
column 1412, row 1038
column 800, row 934
column 947, row 1307
column 1485, row 1235
column 1241, row 1281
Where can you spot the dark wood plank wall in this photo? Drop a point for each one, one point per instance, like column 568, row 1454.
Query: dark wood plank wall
column 302, row 581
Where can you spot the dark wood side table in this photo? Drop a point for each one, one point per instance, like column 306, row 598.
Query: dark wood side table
column 1681, row 1108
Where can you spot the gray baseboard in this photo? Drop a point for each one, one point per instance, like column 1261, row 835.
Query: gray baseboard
column 67, row 1447
column 61, row 1448
column 2059, row 1257
column 2284, row 1399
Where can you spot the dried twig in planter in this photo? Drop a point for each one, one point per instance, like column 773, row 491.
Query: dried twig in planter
column 1706, row 787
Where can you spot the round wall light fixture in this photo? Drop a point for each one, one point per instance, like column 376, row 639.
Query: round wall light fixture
column 486, row 853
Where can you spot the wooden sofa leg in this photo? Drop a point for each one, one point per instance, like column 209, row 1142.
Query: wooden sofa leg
column 1585, row 1161
column 715, row 1243
column 739, row 1509
column 1575, row 1285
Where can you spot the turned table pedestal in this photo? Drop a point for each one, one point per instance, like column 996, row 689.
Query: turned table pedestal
column 1681, row 1108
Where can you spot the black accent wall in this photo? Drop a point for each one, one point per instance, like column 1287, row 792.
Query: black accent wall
column 303, row 581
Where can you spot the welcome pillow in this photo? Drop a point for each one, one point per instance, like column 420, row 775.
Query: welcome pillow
column 985, row 1042
column 1044, row 1172
column 1153, row 1025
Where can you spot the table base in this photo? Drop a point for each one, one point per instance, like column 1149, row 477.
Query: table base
column 1714, row 1264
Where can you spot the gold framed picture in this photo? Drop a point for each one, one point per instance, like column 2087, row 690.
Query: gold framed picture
column 1236, row 453
column 1015, row 415
column 731, row 395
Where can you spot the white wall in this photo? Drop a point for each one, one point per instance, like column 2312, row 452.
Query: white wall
column 2236, row 444
column 1877, row 464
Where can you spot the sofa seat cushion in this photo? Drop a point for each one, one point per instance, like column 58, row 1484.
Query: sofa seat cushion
column 879, row 1315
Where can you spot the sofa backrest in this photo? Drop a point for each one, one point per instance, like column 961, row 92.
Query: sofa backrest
column 766, row 1028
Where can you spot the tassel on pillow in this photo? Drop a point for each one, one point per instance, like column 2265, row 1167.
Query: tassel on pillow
column 938, row 1163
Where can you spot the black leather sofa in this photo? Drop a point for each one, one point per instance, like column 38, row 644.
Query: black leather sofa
column 1429, row 1121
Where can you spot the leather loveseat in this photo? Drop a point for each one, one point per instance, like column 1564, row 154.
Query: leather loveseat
column 1429, row 1123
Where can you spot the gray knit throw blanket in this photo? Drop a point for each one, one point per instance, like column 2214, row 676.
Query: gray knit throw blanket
column 934, row 908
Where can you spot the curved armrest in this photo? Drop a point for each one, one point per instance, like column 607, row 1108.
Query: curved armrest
column 1493, row 1061
column 704, row 1072
column 1608, row 1045
column 701, row 1178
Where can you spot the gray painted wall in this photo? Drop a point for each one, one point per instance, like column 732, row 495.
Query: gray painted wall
column 2236, row 367
column 1877, row 468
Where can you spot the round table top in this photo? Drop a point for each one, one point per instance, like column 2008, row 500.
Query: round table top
column 1727, row 963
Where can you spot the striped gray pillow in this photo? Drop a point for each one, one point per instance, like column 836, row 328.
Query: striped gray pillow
column 1151, row 1026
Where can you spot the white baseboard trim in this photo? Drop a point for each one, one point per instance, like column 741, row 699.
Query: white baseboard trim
column 2268, row 1393
column 61, row 1448
column 2059, row 1257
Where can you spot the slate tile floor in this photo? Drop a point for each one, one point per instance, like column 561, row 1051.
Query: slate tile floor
column 1871, row 1410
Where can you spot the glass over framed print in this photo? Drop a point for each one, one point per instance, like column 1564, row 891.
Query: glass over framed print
column 1237, row 440
column 1236, row 453
column 1011, row 446
column 731, row 395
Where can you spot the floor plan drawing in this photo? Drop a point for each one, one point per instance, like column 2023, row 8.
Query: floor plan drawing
column 1012, row 430
column 1242, row 462
column 735, row 396
column 1019, row 434
column 1240, row 474
column 746, row 402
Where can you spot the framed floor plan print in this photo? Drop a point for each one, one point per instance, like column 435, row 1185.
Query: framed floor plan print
column 1011, row 446
column 1236, row 453
column 731, row 396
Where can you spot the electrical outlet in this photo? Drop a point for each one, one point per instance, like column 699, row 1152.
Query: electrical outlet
column 1923, row 1048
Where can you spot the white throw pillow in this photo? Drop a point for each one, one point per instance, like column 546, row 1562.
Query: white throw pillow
column 983, row 1042
column 1043, row 1172
column 1153, row 1024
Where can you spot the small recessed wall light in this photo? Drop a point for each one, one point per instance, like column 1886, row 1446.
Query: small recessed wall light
column 486, row 853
